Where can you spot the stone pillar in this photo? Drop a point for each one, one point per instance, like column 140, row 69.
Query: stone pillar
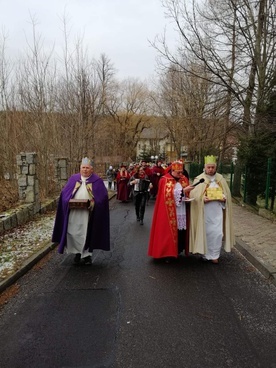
column 61, row 172
column 28, row 185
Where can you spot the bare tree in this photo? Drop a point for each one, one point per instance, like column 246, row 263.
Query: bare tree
column 37, row 99
column 235, row 41
column 128, row 107
column 4, row 120
column 193, row 110
column 105, row 71
column 80, row 101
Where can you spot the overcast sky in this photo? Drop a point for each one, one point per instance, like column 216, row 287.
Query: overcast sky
column 118, row 28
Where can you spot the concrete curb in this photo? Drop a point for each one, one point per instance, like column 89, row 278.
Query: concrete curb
column 30, row 262
column 26, row 266
column 267, row 270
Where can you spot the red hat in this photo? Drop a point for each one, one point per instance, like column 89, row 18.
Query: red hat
column 177, row 165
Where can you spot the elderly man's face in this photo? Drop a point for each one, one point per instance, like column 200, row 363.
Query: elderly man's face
column 86, row 170
column 210, row 169
column 177, row 173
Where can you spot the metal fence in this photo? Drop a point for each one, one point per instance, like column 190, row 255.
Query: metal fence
column 264, row 180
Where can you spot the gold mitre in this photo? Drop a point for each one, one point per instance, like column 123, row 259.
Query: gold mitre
column 211, row 160
column 177, row 165
column 86, row 161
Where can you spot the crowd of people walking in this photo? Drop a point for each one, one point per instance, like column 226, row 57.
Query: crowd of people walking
column 119, row 179
column 187, row 219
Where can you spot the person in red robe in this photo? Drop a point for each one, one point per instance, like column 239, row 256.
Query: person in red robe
column 122, row 184
column 146, row 168
column 131, row 170
column 169, row 234
column 156, row 173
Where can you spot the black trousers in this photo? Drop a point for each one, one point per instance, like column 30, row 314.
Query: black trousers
column 140, row 199
column 181, row 240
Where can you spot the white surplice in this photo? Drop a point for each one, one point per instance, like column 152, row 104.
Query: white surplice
column 180, row 207
column 77, row 224
column 213, row 213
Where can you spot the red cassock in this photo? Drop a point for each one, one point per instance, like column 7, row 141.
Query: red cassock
column 164, row 233
column 155, row 178
column 122, row 186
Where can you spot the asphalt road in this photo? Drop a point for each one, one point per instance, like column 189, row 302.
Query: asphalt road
column 127, row 310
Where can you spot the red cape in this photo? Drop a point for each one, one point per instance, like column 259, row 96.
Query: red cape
column 164, row 234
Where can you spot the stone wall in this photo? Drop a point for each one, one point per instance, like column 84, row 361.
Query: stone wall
column 61, row 172
column 28, row 188
column 28, row 185
column 24, row 213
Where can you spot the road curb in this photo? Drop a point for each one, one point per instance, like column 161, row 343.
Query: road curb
column 30, row 262
column 267, row 270
column 26, row 266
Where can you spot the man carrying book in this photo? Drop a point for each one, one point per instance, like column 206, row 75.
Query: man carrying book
column 82, row 218
column 211, row 214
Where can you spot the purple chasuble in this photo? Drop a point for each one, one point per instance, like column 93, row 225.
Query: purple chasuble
column 98, row 231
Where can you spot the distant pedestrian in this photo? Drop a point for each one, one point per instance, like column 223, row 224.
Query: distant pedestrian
column 141, row 184
column 131, row 169
column 110, row 176
column 82, row 218
column 156, row 173
column 211, row 214
column 122, row 184
column 146, row 167
column 115, row 172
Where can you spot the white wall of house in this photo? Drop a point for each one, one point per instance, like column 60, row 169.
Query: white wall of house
column 156, row 141
column 148, row 145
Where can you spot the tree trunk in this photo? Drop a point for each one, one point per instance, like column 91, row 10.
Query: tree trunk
column 236, row 189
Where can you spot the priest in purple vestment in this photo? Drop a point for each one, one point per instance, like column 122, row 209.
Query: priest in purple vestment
column 78, row 229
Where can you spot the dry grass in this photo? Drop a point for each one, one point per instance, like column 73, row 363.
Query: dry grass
column 8, row 194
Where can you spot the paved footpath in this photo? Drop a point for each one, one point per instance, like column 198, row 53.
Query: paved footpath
column 256, row 240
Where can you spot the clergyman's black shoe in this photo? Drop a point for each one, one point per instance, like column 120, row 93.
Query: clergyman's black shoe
column 77, row 258
column 86, row 260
